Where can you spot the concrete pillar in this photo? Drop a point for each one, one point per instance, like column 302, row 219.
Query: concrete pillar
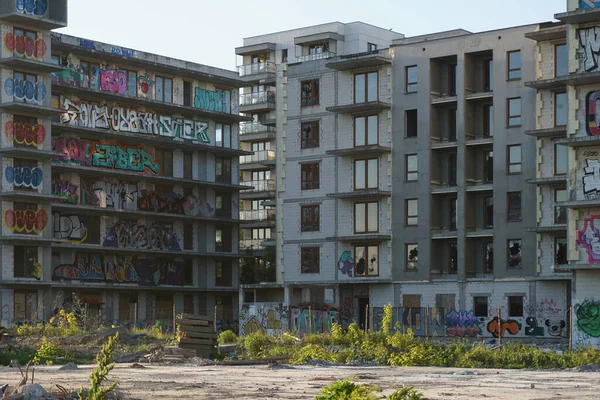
column 141, row 307
column 116, row 307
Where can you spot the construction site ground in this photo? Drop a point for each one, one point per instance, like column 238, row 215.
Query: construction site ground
column 193, row 380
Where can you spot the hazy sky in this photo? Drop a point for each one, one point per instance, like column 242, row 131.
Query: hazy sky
column 207, row 32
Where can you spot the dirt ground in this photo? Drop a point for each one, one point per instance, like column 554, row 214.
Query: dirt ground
column 187, row 381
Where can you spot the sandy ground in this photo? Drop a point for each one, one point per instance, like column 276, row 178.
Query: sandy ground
column 185, row 381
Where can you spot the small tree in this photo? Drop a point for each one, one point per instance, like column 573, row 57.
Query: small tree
column 386, row 322
column 104, row 365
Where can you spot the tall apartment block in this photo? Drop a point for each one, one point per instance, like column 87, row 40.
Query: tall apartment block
column 134, row 206
column 567, row 129
column 324, row 132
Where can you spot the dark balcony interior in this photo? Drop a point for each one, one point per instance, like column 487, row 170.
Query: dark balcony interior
column 256, row 270
column 443, row 76
column 479, row 258
column 479, row 72
column 479, row 165
column 479, row 211
column 443, row 214
column 479, row 120
column 443, row 169
column 443, row 124
column 444, row 258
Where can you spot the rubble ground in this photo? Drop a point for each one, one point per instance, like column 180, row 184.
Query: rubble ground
column 197, row 380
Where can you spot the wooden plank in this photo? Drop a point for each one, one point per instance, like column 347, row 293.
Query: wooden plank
column 198, row 317
column 205, row 329
column 191, row 322
column 197, row 341
column 197, row 347
column 200, row 335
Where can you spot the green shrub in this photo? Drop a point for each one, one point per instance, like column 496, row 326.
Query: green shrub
column 47, row 353
column 386, row 321
column 348, row 390
column 406, row 393
column 227, row 337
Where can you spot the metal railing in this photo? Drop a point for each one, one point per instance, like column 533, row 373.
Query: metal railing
column 317, row 56
column 257, row 215
column 255, row 244
column 258, row 156
column 254, row 127
column 248, row 99
column 265, row 67
column 267, row 185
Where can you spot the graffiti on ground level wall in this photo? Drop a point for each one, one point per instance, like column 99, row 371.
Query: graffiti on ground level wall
column 271, row 318
column 306, row 321
column 588, row 317
column 25, row 221
column 508, row 326
column 589, row 238
column 462, row 324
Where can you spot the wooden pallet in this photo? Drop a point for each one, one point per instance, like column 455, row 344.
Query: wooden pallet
column 197, row 332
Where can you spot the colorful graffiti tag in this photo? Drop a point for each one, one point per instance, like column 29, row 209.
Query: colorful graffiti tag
column 96, row 116
column 271, row 318
column 588, row 317
column 589, row 239
column 462, row 323
column 130, row 235
column 306, row 321
column 145, row 83
column 24, row 177
column 25, row 46
column 72, row 228
column 346, row 263
column 511, row 326
column 589, row 48
column 174, row 203
column 26, row 221
column 24, row 133
column 145, row 272
column 589, row 3
column 218, row 100
column 110, row 194
column 113, row 81
column 25, row 90
column 66, row 190
column 32, row 7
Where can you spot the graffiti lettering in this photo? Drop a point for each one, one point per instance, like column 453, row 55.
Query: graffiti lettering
column 33, row 92
column 145, row 83
column 589, row 3
column 125, row 234
column 271, row 318
column 33, row 7
column 532, row 328
column 26, row 221
column 122, row 52
column 588, row 317
column 74, row 151
column 462, row 323
column 27, row 177
column 219, row 100
column 87, row 44
column 590, row 153
column 113, row 81
column 312, row 321
column 71, row 76
column 346, row 263
column 129, row 158
column 24, row 133
column 111, row 194
column 591, row 179
column 511, row 326
column 120, row 119
column 589, row 239
column 589, row 42
column 66, row 190
column 72, row 228
column 25, row 46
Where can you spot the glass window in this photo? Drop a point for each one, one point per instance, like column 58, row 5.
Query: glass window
column 132, row 83
column 488, row 120
column 223, row 239
column 310, row 218
column 164, row 89
column 488, row 75
column 310, row 93
column 561, row 154
column 412, row 173
column 514, row 253
column 309, row 260
column 187, row 93
column 223, row 135
column 560, row 109
column 365, row 130
column 514, row 206
column 411, row 123
column 309, row 176
column 366, row 260
column 159, row 89
column 480, row 306
column 371, row 47
column 514, row 112
column 366, row 174
column 514, row 64
column 514, row 159
column 412, row 212
column 284, row 55
column 309, row 134
column 515, row 306
column 560, row 213
column 412, row 257
column 411, row 79
column 488, row 257
column 366, row 217
column 365, row 87
column 560, row 59
column 222, row 170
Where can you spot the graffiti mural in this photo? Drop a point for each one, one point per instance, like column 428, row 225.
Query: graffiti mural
column 145, row 83
column 119, row 119
column 589, row 43
column 588, row 317
column 114, row 81
column 32, row 7
column 462, row 324
column 24, row 133
column 74, row 151
column 72, row 228
column 130, row 235
column 174, row 203
column 218, row 100
column 24, row 90
column 122, row 269
column 589, row 3
column 532, row 328
column 347, row 310
column 66, row 190
column 24, row 177
column 505, row 326
column 25, row 46
column 271, row 318
column 592, row 112
column 25, row 221
column 71, row 76
column 588, row 238
column 306, row 321
column 346, row 263
column 110, row 194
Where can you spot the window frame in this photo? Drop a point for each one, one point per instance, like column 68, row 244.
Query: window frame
column 510, row 163
column 508, row 197
column 225, row 178
column 487, row 302
column 556, row 173
column 556, row 94
column 224, row 135
column 557, row 208
column 26, row 293
column 366, row 88
column 487, row 123
column 315, row 170
column 366, row 131
column 371, row 47
column 556, row 46
column 509, row 308
column 312, row 100
column 485, row 212
column 313, row 265
column 407, row 83
column 159, row 155
column 409, row 172
column 407, row 125
column 508, row 66
column 226, row 233
column 164, row 79
column 226, row 278
column 366, row 248
column 315, row 133
column 367, row 220
column 408, row 246
column 488, row 262
column 284, row 55
column 366, row 177
column 509, row 116
column 520, row 265
column 188, row 165
column 314, row 225
column 408, row 217
column 128, row 72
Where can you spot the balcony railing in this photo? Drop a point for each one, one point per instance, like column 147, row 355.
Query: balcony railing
column 252, row 243
column 267, row 185
column 257, row 215
column 266, row 67
column 258, row 156
column 317, row 56
column 248, row 99
column 247, row 128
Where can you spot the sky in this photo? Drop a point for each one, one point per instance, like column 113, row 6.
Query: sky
column 208, row 31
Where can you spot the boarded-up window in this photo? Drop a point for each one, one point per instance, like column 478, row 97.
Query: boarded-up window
column 25, row 306
column 445, row 301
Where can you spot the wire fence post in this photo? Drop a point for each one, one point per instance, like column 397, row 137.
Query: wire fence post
column 571, row 328
column 499, row 326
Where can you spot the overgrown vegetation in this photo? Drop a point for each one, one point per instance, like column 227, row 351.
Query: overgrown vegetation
column 104, row 364
column 348, row 390
column 227, row 337
column 62, row 324
column 403, row 349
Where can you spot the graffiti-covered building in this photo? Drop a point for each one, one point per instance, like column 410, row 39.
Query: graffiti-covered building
column 120, row 177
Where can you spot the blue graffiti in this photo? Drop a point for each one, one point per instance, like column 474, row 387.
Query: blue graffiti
column 219, row 100
column 33, row 92
column 87, row 44
column 589, row 3
column 346, row 263
column 122, row 52
column 33, row 7
column 24, row 176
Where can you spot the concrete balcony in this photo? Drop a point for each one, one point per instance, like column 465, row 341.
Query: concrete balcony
column 257, row 102
column 548, row 31
column 556, row 228
column 260, row 189
column 371, row 150
column 369, row 106
column 361, row 194
column 256, row 131
column 478, row 95
column 579, row 16
column 548, row 132
column 40, row 14
column 257, row 218
column 259, row 159
column 257, row 69
column 254, row 244
column 558, row 180
column 479, row 139
column 369, row 59
column 316, row 56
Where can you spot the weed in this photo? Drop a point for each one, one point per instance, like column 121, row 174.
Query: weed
column 406, row 393
column 347, row 389
column 47, row 353
column 386, row 321
column 104, row 365
column 227, row 337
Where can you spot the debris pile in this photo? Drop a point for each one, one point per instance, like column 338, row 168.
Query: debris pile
column 197, row 332
column 168, row 354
